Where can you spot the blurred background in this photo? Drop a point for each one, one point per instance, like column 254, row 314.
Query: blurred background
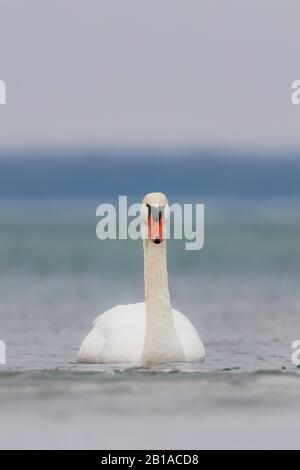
column 122, row 98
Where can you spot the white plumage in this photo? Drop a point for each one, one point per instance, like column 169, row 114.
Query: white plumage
column 118, row 336
column 150, row 332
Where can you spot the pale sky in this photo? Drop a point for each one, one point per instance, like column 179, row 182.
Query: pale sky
column 150, row 73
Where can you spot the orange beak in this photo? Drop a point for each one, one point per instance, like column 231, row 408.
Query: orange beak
column 155, row 224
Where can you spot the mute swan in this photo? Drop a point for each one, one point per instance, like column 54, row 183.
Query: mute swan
column 150, row 332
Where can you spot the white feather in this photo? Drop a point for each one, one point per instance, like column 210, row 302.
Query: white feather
column 118, row 336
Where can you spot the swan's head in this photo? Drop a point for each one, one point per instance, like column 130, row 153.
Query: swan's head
column 155, row 211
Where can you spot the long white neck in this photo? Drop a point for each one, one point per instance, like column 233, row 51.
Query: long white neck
column 161, row 340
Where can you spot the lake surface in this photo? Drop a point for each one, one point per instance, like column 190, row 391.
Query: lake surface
column 241, row 292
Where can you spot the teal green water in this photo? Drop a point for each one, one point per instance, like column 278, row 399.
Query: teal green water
column 241, row 292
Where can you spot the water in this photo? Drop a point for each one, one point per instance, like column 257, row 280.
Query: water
column 241, row 292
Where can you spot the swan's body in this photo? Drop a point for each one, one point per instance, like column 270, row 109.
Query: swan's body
column 150, row 332
column 118, row 336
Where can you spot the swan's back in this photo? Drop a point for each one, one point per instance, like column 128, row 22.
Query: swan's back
column 118, row 336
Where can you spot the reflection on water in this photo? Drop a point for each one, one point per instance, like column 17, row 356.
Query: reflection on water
column 109, row 408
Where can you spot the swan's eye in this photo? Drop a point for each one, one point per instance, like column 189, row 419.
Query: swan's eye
column 149, row 210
